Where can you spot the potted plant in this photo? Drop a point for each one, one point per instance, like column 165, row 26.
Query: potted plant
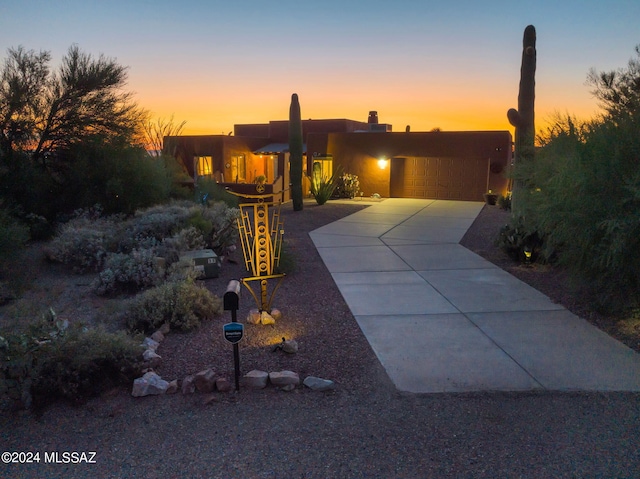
column 490, row 197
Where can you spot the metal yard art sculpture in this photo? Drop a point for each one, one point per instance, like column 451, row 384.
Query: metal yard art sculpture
column 261, row 233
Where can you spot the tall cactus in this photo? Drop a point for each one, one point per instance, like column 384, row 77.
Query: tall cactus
column 523, row 118
column 295, row 152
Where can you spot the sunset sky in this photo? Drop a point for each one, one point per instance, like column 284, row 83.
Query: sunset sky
column 453, row 65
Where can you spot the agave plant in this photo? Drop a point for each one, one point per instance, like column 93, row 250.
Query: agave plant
column 322, row 187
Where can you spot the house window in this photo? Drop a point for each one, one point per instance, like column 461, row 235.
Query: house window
column 204, row 165
column 238, row 169
column 326, row 165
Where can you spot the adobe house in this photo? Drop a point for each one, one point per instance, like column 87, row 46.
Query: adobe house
column 255, row 152
column 443, row 165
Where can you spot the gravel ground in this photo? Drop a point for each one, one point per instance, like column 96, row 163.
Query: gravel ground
column 363, row 429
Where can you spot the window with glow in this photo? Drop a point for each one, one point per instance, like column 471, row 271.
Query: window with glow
column 204, row 165
column 239, row 168
column 326, row 165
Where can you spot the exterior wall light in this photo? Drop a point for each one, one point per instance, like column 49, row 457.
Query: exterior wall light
column 382, row 163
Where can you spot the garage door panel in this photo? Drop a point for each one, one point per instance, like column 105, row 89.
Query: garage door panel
column 444, row 178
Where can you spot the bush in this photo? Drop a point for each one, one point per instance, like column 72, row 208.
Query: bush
column 81, row 244
column 128, row 272
column 183, row 304
column 13, row 236
column 50, row 359
column 348, row 186
column 584, row 194
column 522, row 244
column 209, row 191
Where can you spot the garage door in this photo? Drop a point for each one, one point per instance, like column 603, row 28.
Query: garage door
column 439, row 178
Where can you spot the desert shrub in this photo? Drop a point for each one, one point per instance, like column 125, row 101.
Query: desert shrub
column 504, row 201
column 348, row 186
column 128, row 272
column 120, row 177
column 84, row 363
column 183, row 304
column 523, row 244
column 13, row 236
column 584, row 194
column 51, row 359
column 81, row 244
column 187, row 239
column 224, row 231
column 152, row 225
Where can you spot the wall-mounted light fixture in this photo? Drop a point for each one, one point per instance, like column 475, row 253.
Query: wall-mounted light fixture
column 382, row 163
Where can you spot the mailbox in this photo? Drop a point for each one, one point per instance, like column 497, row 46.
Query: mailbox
column 231, row 299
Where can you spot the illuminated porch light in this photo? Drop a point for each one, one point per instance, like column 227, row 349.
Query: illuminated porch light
column 382, row 163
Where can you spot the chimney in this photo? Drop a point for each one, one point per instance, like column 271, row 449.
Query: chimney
column 373, row 118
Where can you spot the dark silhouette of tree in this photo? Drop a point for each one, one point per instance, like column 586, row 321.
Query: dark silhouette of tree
column 43, row 113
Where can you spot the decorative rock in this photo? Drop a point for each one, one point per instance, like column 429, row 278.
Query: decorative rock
column 223, row 385
column 256, row 379
column 173, row 387
column 165, row 328
column 290, row 346
column 149, row 384
column 318, row 384
column 276, row 314
column 149, row 343
column 158, row 337
column 205, row 381
column 266, row 318
column 150, row 354
column 253, row 317
column 284, row 378
column 189, row 385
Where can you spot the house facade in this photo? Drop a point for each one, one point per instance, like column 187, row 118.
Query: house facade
column 441, row 165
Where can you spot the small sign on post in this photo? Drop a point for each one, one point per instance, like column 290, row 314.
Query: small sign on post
column 234, row 331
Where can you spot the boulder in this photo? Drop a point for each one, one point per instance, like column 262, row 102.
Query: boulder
column 276, row 314
column 284, row 378
column 173, row 387
column 205, row 381
column 158, row 337
column 149, row 384
column 290, row 346
column 256, row 379
column 266, row 318
column 318, row 384
column 188, row 385
column 149, row 343
column 253, row 317
column 150, row 354
column 165, row 328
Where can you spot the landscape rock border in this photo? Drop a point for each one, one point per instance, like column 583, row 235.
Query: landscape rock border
column 207, row 381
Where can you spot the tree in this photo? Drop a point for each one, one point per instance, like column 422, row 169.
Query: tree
column 49, row 120
column 44, row 113
column 618, row 90
column 295, row 152
column 155, row 133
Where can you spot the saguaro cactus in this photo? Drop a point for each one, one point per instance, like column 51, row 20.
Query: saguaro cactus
column 295, row 152
column 523, row 118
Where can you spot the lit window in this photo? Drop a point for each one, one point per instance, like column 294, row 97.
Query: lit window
column 203, row 166
column 238, row 168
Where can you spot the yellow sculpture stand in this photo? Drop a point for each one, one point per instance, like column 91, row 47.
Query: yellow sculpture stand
column 261, row 239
